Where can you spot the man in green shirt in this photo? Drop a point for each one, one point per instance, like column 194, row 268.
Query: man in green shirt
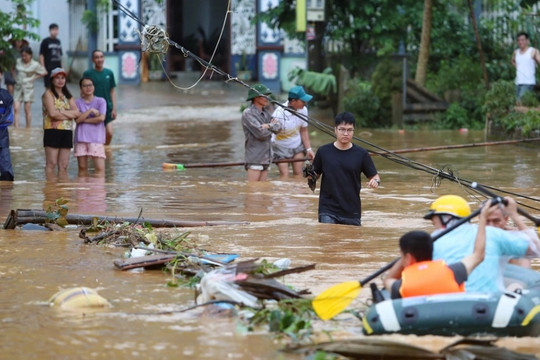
column 104, row 86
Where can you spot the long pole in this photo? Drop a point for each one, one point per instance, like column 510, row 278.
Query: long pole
column 173, row 166
column 458, row 146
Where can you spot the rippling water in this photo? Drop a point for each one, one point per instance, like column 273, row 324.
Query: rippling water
column 282, row 223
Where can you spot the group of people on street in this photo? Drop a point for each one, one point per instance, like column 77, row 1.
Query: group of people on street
column 471, row 257
column 83, row 124
column 282, row 136
column 275, row 136
column 90, row 115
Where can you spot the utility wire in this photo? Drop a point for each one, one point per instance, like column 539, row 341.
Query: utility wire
column 150, row 32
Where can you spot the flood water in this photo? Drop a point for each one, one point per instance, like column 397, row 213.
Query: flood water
column 281, row 218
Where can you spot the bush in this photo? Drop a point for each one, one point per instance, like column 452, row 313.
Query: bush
column 529, row 99
column 499, row 106
column 465, row 75
column 361, row 101
column 454, row 118
column 386, row 79
column 525, row 122
column 499, row 100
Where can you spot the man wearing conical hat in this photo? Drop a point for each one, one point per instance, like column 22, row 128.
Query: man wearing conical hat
column 258, row 127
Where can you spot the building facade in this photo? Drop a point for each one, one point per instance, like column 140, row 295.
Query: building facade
column 194, row 25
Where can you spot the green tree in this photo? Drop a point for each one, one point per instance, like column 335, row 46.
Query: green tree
column 13, row 25
column 423, row 55
column 359, row 27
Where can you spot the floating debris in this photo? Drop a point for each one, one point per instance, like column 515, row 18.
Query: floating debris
column 78, row 298
column 378, row 348
column 247, row 282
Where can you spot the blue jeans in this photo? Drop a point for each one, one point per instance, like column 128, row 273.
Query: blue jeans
column 334, row 219
column 522, row 89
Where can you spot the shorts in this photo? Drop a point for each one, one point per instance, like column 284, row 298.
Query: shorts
column 58, row 139
column 8, row 78
column 522, row 89
column 24, row 93
column 89, row 149
column 256, row 167
column 286, row 153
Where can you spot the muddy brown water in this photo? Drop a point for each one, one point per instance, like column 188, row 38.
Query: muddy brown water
column 282, row 223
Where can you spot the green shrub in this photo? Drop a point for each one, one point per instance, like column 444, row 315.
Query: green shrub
column 463, row 74
column 529, row 99
column 455, row 117
column 499, row 105
column 386, row 79
column 499, row 100
column 362, row 102
column 323, row 83
column 525, row 122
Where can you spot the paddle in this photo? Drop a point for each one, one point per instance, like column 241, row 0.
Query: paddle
column 334, row 300
column 520, row 211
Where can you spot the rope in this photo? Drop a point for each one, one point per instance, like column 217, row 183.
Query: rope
column 155, row 39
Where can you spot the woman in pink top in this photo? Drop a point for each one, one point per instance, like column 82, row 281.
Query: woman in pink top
column 90, row 131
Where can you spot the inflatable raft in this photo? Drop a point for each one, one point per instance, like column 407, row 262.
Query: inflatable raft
column 507, row 314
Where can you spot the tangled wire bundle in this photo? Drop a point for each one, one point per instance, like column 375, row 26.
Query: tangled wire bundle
column 154, row 40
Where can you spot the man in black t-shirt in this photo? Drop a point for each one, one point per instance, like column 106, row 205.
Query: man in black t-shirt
column 50, row 53
column 341, row 164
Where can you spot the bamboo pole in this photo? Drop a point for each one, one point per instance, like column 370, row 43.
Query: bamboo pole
column 24, row 216
column 172, row 166
column 458, row 146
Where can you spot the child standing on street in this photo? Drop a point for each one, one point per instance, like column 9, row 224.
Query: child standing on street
column 90, row 131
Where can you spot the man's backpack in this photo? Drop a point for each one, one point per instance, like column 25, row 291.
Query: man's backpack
column 6, row 108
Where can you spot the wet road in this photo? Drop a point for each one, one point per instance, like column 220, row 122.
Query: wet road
column 157, row 126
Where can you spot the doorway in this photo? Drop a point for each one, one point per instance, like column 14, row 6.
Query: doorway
column 196, row 26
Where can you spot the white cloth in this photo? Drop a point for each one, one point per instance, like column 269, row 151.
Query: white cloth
column 525, row 67
column 289, row 135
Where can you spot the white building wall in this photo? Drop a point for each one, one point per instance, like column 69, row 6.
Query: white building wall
column 47, row 12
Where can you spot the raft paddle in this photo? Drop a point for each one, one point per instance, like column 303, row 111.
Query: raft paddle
column 334, row 300
column 520, row 211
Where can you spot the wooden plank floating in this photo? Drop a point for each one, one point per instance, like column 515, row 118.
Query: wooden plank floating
column 25, row 216
column 143, row 261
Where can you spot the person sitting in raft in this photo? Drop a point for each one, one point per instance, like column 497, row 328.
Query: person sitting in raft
column 501, row 245
column 499, row 217
column 416, row 274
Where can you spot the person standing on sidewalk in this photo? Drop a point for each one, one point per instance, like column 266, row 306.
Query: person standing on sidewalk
column 104, row 85
column 50, row 53
column 525, row 59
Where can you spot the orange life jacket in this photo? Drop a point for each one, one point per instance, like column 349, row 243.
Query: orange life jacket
column 428, row 278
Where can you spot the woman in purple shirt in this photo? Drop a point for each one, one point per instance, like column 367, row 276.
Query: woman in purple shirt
column 90, row 131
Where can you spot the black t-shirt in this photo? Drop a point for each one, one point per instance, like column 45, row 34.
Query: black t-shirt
column 460, row 275
column 51, row 49
column 341, row 179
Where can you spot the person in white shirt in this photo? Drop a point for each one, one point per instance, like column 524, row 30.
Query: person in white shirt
column 524, row 59
column 292, row 141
